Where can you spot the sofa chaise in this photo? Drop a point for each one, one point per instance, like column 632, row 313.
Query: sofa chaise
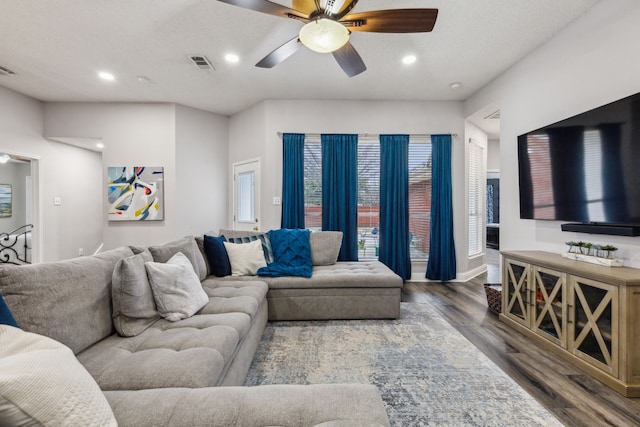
column 156, row 372
column 365, row 289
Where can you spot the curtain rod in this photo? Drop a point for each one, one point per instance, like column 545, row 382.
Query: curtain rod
column 374, row 135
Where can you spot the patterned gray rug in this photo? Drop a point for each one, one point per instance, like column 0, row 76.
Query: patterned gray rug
column 427, row 372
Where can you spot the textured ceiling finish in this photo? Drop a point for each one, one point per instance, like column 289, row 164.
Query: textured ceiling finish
column 57, row 47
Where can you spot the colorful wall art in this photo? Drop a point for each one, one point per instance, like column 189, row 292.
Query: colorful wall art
column 135, row 193
column 5, row 200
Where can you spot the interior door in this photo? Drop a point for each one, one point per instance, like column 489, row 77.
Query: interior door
column 246, row 195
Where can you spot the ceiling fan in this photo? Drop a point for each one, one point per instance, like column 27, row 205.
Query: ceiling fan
column 328, row 24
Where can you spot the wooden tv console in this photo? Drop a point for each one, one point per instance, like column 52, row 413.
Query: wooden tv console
column 587, row 314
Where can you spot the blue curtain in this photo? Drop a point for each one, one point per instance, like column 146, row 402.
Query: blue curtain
column 340, row 191
column 394, row 204
column 292, row 181
column 442, row 252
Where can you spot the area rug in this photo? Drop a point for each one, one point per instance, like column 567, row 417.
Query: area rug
column 427, row 372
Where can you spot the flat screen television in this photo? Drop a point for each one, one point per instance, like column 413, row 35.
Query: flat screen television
column 585, row 169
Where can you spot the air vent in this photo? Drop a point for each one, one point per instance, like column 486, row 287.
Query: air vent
column 201, row 62
column 494, row 115
column 6, row 72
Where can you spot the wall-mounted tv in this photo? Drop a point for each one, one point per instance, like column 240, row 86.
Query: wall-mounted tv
column 584, row 169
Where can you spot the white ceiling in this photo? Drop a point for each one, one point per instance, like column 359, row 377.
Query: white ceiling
column 57, row 47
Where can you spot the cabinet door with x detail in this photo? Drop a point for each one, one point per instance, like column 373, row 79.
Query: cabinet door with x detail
column 594, row 323
column 548, row 302
column 515, row 295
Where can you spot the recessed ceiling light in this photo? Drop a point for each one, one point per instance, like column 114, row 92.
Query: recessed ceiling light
column 409, row 59
column 143, row 79
column 99, row 145
column 455, row 85
column 232, row 57
column 106, row 76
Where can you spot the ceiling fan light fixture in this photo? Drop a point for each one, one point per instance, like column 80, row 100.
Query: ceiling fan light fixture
column 324, row 35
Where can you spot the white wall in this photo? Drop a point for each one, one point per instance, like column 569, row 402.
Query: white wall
column 21, row 132
column 202, row 171
column 493, row 155
column 79, row 217
column 594, row 61
column 15, row 174
column 247, row 135
column 253, row 133
column 190, row 144
column 133, row 135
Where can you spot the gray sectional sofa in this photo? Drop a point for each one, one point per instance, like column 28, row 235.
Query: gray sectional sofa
column 189, row 372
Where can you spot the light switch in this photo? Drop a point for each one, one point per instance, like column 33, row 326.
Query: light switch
column 277, row 201
column 57, row 201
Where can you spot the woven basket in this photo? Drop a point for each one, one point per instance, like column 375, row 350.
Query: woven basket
column 494, row 297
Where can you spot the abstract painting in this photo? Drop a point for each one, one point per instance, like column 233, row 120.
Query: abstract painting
column 5, row 200
column 135, row 193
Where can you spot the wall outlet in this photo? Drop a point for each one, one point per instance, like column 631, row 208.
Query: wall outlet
column 57, row 201
column 80, row 252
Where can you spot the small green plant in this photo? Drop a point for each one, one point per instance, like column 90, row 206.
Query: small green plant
column 585, row 247
column 609, row 250
column 572, row 246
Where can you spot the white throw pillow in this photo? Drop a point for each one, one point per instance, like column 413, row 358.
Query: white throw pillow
column 176, row 288
column 42, row 383
column 245, row 258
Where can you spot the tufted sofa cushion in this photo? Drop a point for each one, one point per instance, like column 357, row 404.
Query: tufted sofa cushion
column 206, row 342
column 344, row 274
column 234, row 296
column 320, row 405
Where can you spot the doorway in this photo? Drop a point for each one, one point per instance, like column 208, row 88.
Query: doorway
column 20, row 209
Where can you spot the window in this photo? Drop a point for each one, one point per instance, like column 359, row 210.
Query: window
column 369, row 193
column 419, row 197
column 313, row 185
column 368, row 198
column 476, row 197
column 245, row 197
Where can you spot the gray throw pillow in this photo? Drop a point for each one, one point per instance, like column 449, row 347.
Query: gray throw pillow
column 176, row 288
column 200, row 243
column 188, row 246
column 134, row 308
column 325, row 247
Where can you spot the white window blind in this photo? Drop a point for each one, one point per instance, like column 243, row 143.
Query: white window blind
column 313, row 185
column 368, row 198
column 476, row 197
column 419, row 197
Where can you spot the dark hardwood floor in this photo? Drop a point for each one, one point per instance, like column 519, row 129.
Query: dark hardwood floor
column 573, row 396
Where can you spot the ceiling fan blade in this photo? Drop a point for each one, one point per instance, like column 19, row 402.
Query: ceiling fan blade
column 305, row 6
column 349, row 60
column 280, row 54
column 346, row 8
column 392, row 21
column 265, row 6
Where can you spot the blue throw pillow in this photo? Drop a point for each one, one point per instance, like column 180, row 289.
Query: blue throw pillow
column 217, row 255
column 291, row 253
column 6, row 318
